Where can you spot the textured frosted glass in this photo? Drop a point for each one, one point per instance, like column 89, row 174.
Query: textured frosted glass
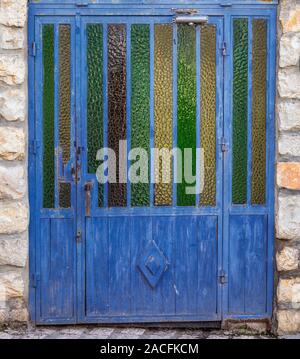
column 208, row 113
column 48, row 116
column 186, row 100
column 65, row 91
column 95, row 99
column 163, row 99
column 64, row 195
column 259, row 111
column 240, row 111
column 140, row 103
column 116, row 104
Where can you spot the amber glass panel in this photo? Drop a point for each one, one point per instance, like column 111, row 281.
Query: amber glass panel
column 95, row 99
column 65, row 106
column 65, row 91
column 163, row 99
column 140, row 103
column 48, row 116
column 186, row 100
column 208, row 113
column 116, row 105
column 240, row 111
column 64, row 195
column 259, row 111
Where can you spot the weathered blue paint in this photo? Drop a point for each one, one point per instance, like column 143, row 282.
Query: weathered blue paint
column 98, row 279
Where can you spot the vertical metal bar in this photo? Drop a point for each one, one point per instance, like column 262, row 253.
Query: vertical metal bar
column 152, row 174
column 105, row 106
column 270, row 131
column 174, row 113
column 227, row 159
column 128, row 107
column 198, row 99
column 56, row 116
column 249, row 126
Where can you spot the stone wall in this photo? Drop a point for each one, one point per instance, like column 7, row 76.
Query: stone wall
column 13, row 162
column 288, row 168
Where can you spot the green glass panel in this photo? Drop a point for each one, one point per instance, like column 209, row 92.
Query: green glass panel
column 259, row 91
column 240, row 111
column 163, row 110
column 48, row 116
column 117, row 106
column 64, row 195
column 140, row 103
column 208, row 113
column 186, row 100
column 95, row 99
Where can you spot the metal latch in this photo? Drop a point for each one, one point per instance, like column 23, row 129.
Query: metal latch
column 190, row 19
column 88, row 188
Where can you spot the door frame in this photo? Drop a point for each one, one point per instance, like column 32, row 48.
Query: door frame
column 253, row 9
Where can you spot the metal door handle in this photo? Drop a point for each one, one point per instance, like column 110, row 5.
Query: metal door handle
column 88, row 188
column 190, row 19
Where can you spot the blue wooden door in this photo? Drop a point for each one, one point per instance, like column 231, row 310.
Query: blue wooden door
column 159, row 241
column 150, row 251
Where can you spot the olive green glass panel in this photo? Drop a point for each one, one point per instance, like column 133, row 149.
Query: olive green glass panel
column 208, row 113
column 64, row 195
column 259, row 82
column 65, row 107
column 163, row 111
column 117, row 106
column 240, row 111
column 186, row 101
column 140, row 104
column 95, row 99
column 48, row 116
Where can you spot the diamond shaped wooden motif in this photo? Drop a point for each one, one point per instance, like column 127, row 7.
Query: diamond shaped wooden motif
column 152, row 264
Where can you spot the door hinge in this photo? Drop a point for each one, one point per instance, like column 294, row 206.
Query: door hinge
column 34, row 145
column 35, row 278
column 78, row 236
column 222, row 277
column 224, row 48
column 224, row 145
column 32, row 49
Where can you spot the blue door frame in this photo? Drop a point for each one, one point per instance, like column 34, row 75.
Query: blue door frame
column 232, row 217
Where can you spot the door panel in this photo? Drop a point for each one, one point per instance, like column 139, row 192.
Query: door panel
column 151, row 249
column 55, row 192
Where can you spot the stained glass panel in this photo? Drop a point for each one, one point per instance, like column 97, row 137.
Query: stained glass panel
column 240, row 111
column 95, row 99
column 186, row 100
column 259, row 111
column 140, row 103
column 48, row 116
column 116, row 105
column 163, row 100
column 208, row 113
column 64, row 195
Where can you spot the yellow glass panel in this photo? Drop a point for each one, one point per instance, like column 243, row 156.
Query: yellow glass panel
column 163, row 100
column 208, row 113
column 259, row 111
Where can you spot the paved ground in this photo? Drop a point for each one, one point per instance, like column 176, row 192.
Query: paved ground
column 123, row 333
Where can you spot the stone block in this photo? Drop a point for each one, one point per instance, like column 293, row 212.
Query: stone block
column 289, row 115
column 12, row 143
column 12, row 182
column 288, row 175
column 288, row 216
column 289, row 83
column 13, row 218
column 12, row 69
column 287, row 259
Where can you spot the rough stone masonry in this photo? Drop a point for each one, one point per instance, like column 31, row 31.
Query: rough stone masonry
column 13, row 166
